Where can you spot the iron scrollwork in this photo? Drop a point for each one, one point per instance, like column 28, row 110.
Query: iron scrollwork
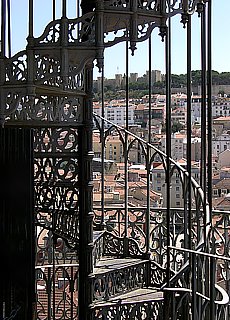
column 112, row 283
column 131, row 311
column 43, row 108
column 16, row 68
column 56, row 177
column 61, row 284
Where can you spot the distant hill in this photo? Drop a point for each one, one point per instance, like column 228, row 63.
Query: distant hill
column 222, row 78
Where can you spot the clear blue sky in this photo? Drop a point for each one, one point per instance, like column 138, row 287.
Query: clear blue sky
column 115, row 56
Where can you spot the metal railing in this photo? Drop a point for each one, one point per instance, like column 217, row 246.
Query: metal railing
column 156, row 229
column 56, row 290
column 206, row 294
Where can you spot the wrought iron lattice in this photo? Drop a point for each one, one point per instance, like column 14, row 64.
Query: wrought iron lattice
column 60, row 300
column 137, row 310
column 56, row 182
column 49, row 87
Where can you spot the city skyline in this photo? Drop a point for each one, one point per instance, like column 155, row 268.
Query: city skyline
column 138, row 63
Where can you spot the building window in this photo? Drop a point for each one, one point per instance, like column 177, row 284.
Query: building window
column 178, row 203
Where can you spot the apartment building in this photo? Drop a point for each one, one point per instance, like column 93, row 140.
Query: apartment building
column 115, row 111
column 178, row 143
column 179, row 115
column 224, row 159
column 221, row 143
column 141, row 114
column 221, row 123
column 220, row 109
column 158, row 182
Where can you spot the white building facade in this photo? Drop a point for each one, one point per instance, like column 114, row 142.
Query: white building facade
column 116, row 112
column 221, row 143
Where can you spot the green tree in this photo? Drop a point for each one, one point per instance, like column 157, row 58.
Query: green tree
column 221, row 93
column 177, row 126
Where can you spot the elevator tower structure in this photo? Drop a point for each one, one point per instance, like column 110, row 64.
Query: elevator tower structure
column 63, row 257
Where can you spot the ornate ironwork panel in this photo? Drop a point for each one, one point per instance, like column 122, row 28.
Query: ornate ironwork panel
column 131, row 311
column 56, row 289
column 56, row 182
column 111, row 283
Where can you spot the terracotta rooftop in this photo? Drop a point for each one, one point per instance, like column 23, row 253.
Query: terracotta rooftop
column 227, row 118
